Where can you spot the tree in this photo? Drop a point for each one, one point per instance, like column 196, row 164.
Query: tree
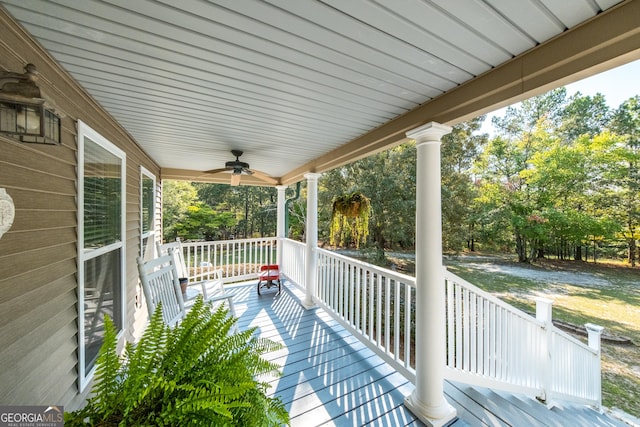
column 584, row 115
column 177, row 196
column 203, row 223
column 255, row 207
column 459, row 150
column 562, row 177
column 505, row 168
column 555, row 177
column 625, row 171
column 521, row 120
column 388, row 180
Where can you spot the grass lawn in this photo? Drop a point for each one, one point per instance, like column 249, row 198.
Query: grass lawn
column 604, row 294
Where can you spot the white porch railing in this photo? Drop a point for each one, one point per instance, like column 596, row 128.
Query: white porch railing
column 488, row 342
column 493, row 344
column 294, row 259
column 374, row 303
column 239, row 259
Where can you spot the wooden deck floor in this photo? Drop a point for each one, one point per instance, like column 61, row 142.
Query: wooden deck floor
column 331, row 378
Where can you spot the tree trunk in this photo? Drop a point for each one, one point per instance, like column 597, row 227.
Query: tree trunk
column 533, row 251
column 521, row 248
column 632, row 251
column 471, row 243
column 578, row 256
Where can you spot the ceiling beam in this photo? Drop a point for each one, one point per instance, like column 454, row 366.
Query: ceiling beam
column 610, row 39
column 212, row 178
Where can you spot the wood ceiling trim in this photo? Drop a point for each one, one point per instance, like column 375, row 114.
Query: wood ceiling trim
column 217, row 178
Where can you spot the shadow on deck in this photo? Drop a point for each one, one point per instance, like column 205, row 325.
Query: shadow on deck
column 330, row 378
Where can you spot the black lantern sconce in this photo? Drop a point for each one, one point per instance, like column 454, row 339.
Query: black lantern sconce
column 24, row 113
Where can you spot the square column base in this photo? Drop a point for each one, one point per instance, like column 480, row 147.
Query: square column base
column 309, row 306
column 446, row 414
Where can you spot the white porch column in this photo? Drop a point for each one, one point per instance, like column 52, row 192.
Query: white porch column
column 311, row 235
column 427, row 401
column 280, row 231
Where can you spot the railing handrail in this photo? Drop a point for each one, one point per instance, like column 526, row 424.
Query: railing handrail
column 448, row 275
column 212, row 242
column 386, row 272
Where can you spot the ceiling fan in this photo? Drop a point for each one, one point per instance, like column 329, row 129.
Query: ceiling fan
column 238, row 168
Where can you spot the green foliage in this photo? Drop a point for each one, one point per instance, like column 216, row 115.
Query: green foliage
column 297, row 219
column 201, row 222
column 199, row 211
column 626, row 172
column 562, row 174
column 197, row 374
column 459, row 149
column 350, row 218
column 177, row 196
column 254, row 206
column 389, row 181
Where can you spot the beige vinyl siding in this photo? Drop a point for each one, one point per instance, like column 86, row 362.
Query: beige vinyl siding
column 39, row 255
column 38, row 311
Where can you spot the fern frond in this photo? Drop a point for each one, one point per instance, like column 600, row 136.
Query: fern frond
column 199, row 373
column 142, row 359
column 108, row 386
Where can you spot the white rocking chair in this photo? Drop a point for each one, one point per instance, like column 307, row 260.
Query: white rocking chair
column 212, row 290
column 161, row 285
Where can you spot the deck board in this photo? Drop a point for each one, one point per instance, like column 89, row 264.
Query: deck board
column 329, row 377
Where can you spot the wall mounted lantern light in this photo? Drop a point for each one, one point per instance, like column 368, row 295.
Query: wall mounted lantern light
column 24, row 113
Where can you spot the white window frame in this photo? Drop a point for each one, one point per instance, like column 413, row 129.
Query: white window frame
column 85, row 131
column 151, row 234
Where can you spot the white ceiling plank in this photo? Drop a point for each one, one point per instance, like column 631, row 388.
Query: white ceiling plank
column 485, row 20
column 527, row 15
column 606, row 4
column 174, row 75
column 240, row 77
column 182, row 44
column 203, row 100
column 258, row 51
column 302, row 49
column 571, row 12
column 428, row 27
column 326, row 26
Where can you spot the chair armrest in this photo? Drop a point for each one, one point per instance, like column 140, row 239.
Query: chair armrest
column 217, row 277
column 222, row 297
column 218, row 272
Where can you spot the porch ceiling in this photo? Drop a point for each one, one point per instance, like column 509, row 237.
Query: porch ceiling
column 303, row 85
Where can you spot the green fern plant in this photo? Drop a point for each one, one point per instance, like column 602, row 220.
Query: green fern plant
column 196, row 374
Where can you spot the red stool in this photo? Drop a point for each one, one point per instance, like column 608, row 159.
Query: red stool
column 269, row 277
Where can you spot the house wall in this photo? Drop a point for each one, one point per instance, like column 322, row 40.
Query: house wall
column 39, row 254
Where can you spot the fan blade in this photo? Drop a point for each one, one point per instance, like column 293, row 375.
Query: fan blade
column 217, row 170
column 235, row 180
column 247, row 171
column 264, row 177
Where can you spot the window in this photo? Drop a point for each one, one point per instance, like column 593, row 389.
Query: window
column 147, row 213
column 101, row 200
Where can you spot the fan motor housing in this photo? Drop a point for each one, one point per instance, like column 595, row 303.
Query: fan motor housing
column 236, row 164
